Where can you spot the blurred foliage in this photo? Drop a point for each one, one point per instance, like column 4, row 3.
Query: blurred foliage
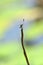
column 34, row 30
column 11, row 52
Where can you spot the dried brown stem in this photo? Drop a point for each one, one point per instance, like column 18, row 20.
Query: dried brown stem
column 23, row 45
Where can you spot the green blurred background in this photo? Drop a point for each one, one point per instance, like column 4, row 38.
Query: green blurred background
column 11, row 14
